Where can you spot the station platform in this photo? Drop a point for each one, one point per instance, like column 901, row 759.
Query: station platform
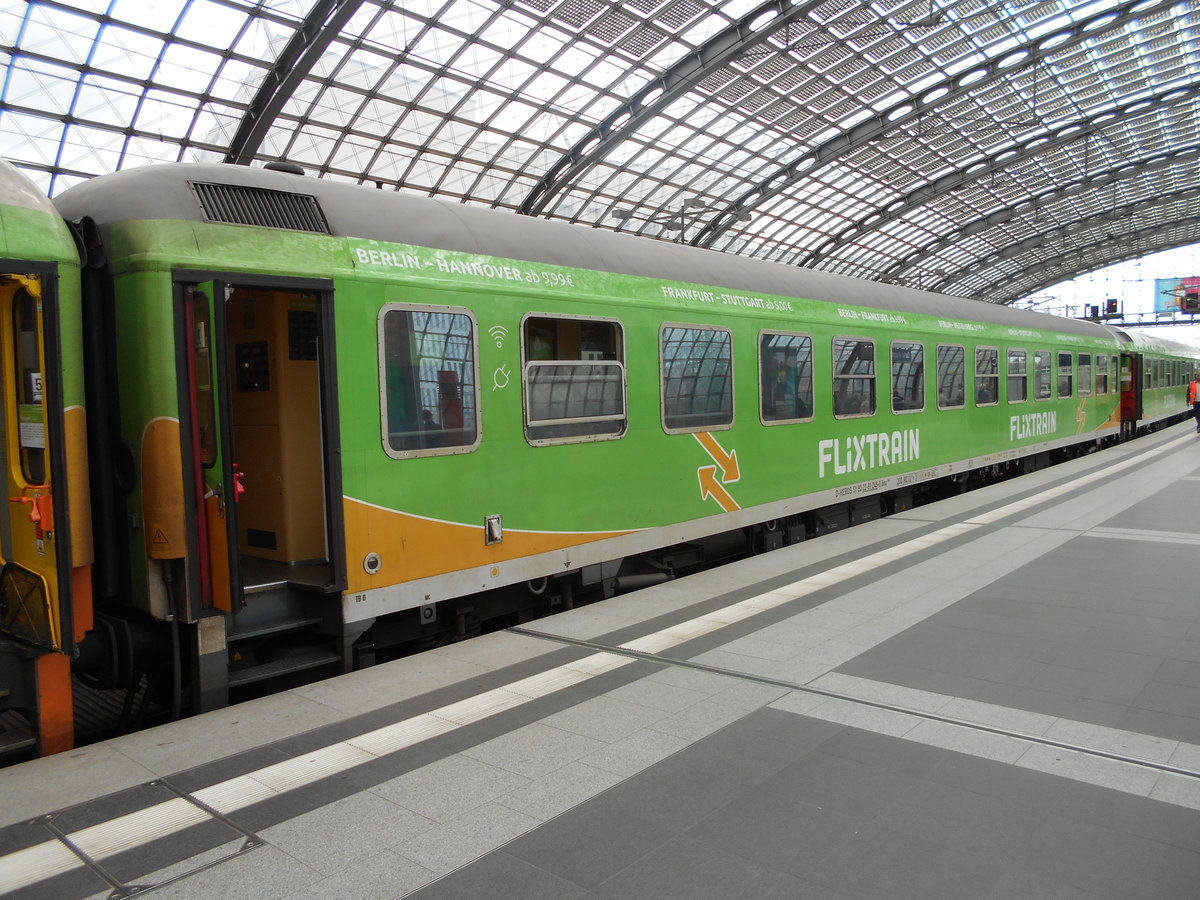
column 995, row 696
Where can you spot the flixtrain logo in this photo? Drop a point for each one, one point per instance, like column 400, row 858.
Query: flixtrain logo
column 726, row 462
column 863, row 452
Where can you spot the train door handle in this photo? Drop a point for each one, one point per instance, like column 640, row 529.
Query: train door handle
column 41, row 509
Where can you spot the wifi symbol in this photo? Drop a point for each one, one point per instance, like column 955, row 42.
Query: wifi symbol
column 498, row 333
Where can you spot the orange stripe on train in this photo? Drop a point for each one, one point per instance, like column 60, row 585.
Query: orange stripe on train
column 412, row 547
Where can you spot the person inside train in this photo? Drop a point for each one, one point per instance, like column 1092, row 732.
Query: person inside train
column 784, row 394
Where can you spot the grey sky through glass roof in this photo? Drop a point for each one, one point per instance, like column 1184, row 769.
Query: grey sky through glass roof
column 985, row 149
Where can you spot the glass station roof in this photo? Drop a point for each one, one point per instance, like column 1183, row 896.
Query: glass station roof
column 983, row 148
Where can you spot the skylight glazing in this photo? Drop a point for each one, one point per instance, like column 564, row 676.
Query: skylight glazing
column 979, row 148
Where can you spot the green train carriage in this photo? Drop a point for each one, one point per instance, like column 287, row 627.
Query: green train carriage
column 360, row 418
column 45, row 528
column 1154, row 378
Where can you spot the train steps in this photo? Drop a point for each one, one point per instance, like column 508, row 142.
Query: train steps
column 283, row 628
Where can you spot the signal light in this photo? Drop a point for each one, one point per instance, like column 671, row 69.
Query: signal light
column 1191, row 302
column 1110, row 307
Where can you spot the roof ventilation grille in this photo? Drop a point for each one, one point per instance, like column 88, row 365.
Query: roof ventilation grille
column 239, row 205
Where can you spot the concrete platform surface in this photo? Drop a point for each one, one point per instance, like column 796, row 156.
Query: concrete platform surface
column 996, row 696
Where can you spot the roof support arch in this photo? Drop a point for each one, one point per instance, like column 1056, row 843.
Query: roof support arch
column 1113, row 250
column 908, row 112
column 323, row 23
column 999, row 161
column 1054, row 195
column 1036, row 242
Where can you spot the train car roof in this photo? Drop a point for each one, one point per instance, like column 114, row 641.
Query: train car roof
column 48, row 238
column 166, row 192
column 1142, row 341
column 17, row 190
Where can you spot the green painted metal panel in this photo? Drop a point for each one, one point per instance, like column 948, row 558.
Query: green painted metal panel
column 647, row 478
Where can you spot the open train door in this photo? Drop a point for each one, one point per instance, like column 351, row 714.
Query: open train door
column 265, row 491
column 37, row 621
column 1131, row 393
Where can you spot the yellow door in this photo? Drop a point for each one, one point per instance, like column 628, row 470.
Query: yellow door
column 33, row 602
column 27, row 536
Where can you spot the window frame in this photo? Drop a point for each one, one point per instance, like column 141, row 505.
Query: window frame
column 811, row 369
column 1048, row 355
column 961, row 404
column 381, row 348
column 1059, row 376
column 527, row 364
column 662, row 380
column 1023, row 375
column 892, row 377
column 874, row 376
column 1085, row 387
column 995, row 377
column 25, row 347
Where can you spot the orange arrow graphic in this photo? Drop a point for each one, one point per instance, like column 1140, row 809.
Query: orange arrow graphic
column 727, row 461
column 711, row 487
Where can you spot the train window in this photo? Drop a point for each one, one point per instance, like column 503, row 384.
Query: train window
column 1065, row 372
column 26, row 359
column 853, row 377
column 1126, row 374
column 785, row 377
column 1101, row 373
column 206, row 415
column 1018, row 377
column 574, row 379
column 1085, row 373
column 987, row 376
column 697, row 378
column 908, row 376
column 1041, row 374
column 427, row 367
column 951, row 376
